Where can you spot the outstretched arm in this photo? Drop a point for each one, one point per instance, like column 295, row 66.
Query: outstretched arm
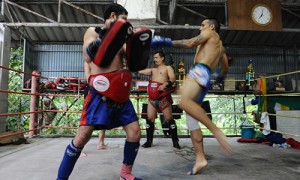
column 191, row 43
column 160, row 41
column 147, row 72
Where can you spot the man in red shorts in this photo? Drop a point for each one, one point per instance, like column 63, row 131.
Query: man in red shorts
column 159, row 90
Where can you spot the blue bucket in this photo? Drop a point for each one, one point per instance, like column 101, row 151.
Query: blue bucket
column 247, row 132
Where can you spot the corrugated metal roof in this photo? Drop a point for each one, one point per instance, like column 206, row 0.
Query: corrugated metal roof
column 187, row 12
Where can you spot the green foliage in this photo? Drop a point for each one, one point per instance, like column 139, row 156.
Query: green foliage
column 227, row 111
column 17, row 102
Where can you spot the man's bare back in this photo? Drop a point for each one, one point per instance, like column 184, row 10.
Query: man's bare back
column 210, row 52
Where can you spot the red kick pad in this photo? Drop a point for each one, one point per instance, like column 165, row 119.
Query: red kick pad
column 138, row 49
column 112, row 42
column 114, row 85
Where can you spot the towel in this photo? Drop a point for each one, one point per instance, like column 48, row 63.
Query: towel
column 266, row 122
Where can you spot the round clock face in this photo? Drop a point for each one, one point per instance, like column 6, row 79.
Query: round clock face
column 261, row 15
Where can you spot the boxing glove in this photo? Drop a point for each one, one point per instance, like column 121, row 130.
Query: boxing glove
column 218, row 78
column 255, row 101
column 92, row 48
column 160, row 41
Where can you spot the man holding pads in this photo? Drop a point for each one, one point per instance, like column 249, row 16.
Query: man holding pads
column 107, row 104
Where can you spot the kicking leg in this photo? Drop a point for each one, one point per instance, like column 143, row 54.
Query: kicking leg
column 191, row 90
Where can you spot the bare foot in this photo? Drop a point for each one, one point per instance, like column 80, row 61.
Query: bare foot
column 197, row 168
column 83, row 154
column 223, row 141
column 102, row 146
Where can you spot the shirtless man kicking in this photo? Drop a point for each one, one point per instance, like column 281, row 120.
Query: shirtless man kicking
column 209, row 53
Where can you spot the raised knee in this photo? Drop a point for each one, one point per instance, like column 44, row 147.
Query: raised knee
column 182, row 104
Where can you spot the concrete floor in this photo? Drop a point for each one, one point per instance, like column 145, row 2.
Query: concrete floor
column 40, row 159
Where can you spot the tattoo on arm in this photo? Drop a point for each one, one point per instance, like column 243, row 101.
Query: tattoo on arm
column 188, row 43
column 179, row 43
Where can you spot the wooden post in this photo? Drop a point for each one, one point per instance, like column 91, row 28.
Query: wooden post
column 34, row 99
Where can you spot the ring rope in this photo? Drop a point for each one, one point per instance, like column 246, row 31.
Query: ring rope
column 19, row 113
column 18, row 133
column 178, row 96
column 30, row 74
column 278, row 131
column 57, row 95
column 298, row 117
column 284, row 74
column 60, row 127
column 68, row 111
column 283, row 94
column 70, row 79
column 39, row 94
column 15, row 92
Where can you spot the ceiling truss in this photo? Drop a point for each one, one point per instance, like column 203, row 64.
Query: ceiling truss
column 173, row 4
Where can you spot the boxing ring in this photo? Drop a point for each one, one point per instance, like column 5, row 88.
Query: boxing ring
column 37, row 111
column 169, row 163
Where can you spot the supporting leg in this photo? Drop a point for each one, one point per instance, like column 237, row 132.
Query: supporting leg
column 68, row 162
column 131, row 148
column 201, row 162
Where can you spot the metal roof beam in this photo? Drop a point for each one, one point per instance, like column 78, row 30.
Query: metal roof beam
column 291, row 12
column 194, row 12
column 172, row 9
column 24, row 24
column 71, row 1
column 28, row 10
column 82, row 10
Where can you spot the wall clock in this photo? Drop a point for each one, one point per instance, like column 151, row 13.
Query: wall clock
column 261, row 14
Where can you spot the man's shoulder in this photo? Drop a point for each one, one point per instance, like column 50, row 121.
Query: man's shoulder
column 169, row 67
column 91, row 30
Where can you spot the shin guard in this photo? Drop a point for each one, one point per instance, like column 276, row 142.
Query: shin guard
column 149, row 130
column 68, row 162
column 130, row 151
column 173, row 130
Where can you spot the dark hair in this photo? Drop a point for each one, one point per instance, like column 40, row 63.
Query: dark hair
column 161, row 54
column 215, row 22
column 116, row 8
